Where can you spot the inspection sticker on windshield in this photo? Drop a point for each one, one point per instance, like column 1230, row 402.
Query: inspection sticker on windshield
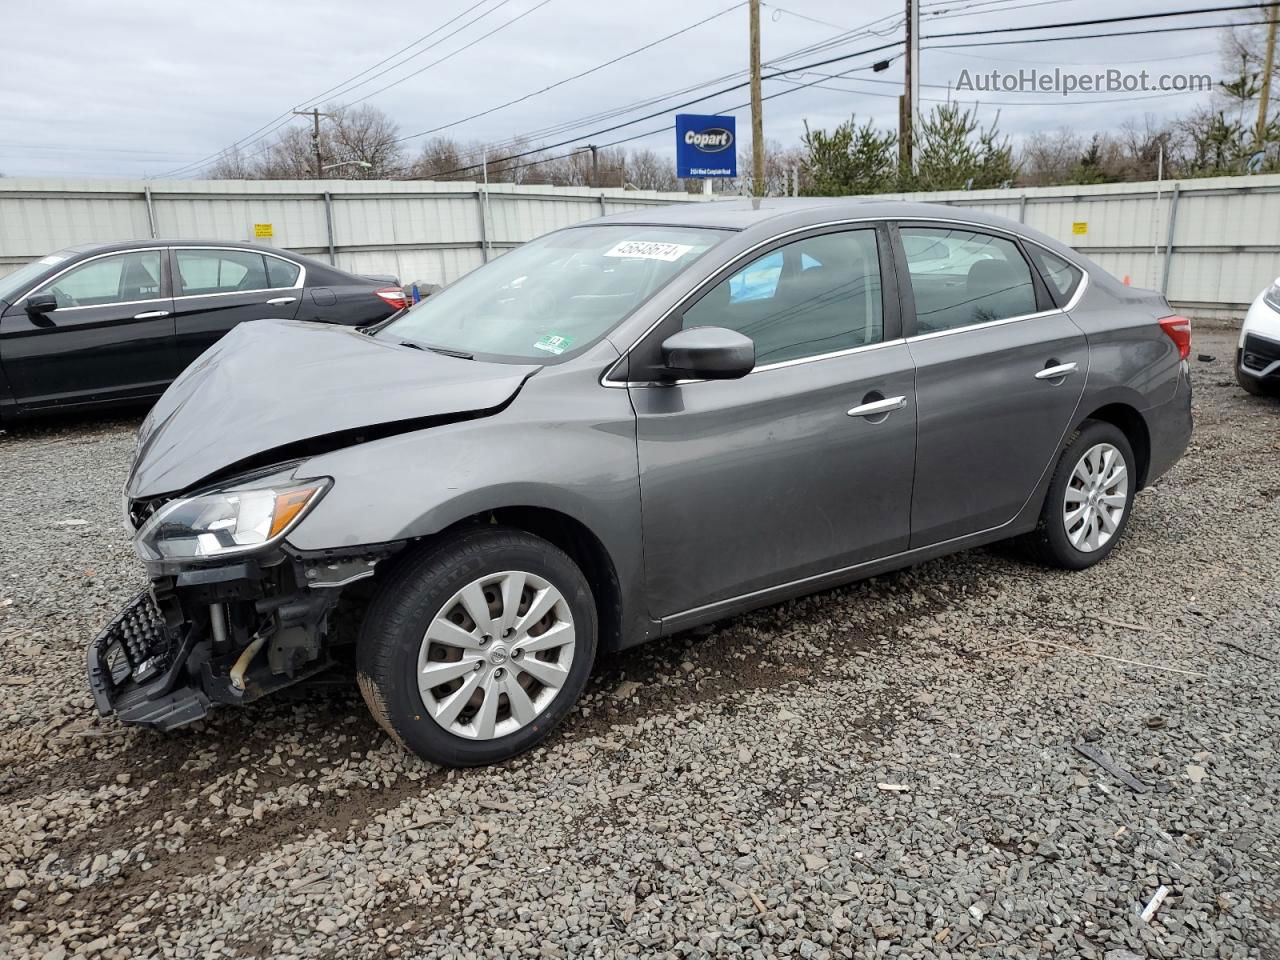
column 649, row 250
column 553, row 343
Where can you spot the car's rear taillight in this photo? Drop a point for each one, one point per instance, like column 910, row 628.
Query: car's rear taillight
column 1179, row 331
column 393, row 296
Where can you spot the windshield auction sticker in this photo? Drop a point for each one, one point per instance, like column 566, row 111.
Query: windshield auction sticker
column 649, row 250
column 553, row 343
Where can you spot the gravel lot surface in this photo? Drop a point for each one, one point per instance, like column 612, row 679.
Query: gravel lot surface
column 888, row 769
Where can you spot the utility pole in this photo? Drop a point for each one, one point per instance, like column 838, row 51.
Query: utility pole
column 595, row 163
column 1265, row 94
column 315, row 115
column 757, row 116
column 909, row 104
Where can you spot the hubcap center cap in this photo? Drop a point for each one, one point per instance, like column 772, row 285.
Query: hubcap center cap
column 498, row 656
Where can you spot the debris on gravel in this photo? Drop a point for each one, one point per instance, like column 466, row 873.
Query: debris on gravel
column 890, row 769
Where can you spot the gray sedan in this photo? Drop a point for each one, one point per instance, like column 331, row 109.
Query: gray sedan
column 622, row 430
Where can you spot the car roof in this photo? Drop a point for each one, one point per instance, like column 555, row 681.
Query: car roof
column 786, row 213
column 120, row 245
column 746, row 212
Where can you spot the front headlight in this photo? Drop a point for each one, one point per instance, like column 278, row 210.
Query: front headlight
column 235, row 519
column 1272, row 297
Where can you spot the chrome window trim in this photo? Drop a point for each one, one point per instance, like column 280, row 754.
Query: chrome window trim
column 934, row 334
column 297, row 285
column 764, row 368
column 98, row 256
column 607, row 380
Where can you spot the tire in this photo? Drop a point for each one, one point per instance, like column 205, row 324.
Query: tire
column 1253, row 385
column 1053, row 543
column 506, row 710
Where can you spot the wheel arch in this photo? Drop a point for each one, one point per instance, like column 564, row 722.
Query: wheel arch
column 571, row 535
column 1129, row 420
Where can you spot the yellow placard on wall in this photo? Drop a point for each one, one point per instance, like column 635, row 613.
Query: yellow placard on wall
column 262, row 230
column 1080, row 227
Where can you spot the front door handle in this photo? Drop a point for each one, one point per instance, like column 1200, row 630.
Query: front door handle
column 151, row 315
column 878, row 408
column 276, row 301
column 1054, row 373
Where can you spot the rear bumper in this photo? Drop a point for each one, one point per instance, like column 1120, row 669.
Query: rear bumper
column 1169, row 426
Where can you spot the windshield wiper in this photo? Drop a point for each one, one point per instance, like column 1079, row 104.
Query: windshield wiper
column 451, row 353
column 441, row 350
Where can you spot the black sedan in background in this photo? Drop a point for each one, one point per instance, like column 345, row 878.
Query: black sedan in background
column 118, row 322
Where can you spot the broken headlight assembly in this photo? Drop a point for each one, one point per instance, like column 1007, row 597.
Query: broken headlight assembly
column 241, row 517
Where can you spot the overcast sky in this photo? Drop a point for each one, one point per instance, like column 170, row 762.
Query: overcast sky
column 140, row 87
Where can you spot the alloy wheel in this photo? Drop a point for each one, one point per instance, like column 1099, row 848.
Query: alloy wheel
column 495, row 655
column 1096, row 498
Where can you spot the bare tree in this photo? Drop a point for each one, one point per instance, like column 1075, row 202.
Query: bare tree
column 1049, row 158
column 646, row 170
column 362, row 134
column 365, row 135
column 438, row 156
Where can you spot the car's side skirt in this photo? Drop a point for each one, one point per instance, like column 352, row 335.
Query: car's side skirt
column 1023, row 523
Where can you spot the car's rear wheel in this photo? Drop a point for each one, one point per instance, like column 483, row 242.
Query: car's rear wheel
column 1087, row 506
column 473, row 651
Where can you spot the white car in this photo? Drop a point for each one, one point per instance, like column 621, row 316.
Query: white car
column 1258, row 355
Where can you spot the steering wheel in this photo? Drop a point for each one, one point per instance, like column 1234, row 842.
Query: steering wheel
column 60, row 295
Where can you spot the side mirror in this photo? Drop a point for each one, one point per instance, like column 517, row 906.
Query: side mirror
column 42, row 303
column 709, row 353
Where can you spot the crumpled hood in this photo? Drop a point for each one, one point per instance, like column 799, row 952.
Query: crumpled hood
column 273, row 383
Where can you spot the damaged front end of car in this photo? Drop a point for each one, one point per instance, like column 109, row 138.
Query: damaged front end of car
column 233, row 613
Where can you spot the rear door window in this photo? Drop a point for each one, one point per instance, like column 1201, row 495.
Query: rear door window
column 963, row 277
column 221, row 271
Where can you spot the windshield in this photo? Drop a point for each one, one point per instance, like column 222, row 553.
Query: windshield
column 554, row 295
column 14, row 285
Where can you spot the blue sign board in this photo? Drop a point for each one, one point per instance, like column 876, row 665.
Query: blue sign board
column 706, row 146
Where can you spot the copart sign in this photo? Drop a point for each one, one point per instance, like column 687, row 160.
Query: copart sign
column 706, row 146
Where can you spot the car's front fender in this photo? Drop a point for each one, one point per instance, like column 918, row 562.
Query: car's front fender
column 567, row 444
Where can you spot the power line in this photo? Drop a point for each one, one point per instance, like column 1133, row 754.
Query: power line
column 348, row 86
column 449, row 56
column 997, row 30
column 287, row 116
column 576, row 76
column 565, row 126
column 1094, row 36
column 1104, row 20
column 405, row 48
column 687, row 103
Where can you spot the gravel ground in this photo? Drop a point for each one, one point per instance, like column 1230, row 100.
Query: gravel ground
column 888, row 769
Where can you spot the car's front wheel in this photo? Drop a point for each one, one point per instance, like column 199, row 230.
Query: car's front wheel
column 474, row 650
column 1087, row 507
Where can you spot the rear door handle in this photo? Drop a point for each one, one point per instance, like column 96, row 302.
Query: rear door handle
column 1053, row 373
column 276, row 301
column 878, row 408
column 151, row 314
